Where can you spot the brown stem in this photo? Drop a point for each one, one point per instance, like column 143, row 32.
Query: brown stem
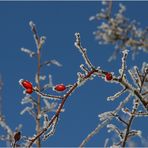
column 47, row 96
column 38, row 142
column 127, row 131
column 120, row 119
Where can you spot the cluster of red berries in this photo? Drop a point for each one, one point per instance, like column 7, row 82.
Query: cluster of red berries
column 29, row 88
column 27, row 85
column 60, row 87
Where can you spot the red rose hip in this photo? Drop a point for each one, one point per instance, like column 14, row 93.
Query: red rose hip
column 60, row 87
column 26, row 84
column 108, row 76
column 29, row 91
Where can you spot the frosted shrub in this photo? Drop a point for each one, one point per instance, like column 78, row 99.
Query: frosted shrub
column 125, row 35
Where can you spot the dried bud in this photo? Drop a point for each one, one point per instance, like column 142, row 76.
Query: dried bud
column 17, row 136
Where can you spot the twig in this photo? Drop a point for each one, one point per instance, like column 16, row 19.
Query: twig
column 46, row 96
column 128, row 128
column 39, row 45
column 120, row 119
column 83, row 51
column 39, row 98
column 123, row 67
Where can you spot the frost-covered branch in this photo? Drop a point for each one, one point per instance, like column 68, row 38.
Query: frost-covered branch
column 83, row 51
column 65, row 97
column 119, row 31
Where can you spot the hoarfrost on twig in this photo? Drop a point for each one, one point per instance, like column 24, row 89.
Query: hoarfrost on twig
column 82, row 50
column 52, row 130
column 123, row 67
column 29, row 52
column 112, row 98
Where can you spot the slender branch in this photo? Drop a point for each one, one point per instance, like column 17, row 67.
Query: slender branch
column 133, row 115
column 83, row 51
column 46, row 96
column 120, row 119
column 36, row 37
column 112, row 98
column 65, row 97
column 139, row 77
column 139, row 114
column 49, row 62
column 38, row 142
column 128, row 129
column 142, row 82
column 39, row 45
column 123, row 67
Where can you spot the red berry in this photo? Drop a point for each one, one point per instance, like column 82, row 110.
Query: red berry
column 29, row 91
column 108, row 76
column 26, row 84
column 60, row 87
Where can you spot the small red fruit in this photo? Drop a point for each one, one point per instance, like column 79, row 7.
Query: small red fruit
column 26, row 84
column 60, row 87
column 29, row 91
column 108, row 76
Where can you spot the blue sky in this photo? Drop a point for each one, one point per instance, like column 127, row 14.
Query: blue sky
column 59, row 21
